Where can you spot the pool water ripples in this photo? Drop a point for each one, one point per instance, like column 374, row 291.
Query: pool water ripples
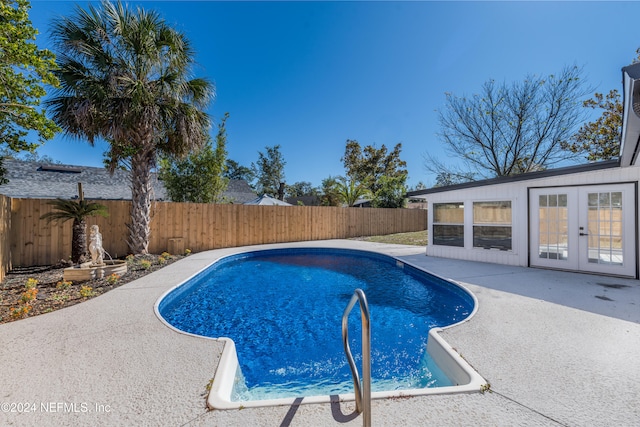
column 283, row 310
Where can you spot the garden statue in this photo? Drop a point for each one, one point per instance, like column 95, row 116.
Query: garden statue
column 97, row 268
column 95, row 246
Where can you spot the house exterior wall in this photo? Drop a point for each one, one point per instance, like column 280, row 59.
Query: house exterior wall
column 517, row 194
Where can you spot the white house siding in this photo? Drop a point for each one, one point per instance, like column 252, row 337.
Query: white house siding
column 517, row 193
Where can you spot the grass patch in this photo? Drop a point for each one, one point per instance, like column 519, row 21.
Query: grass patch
column 416, row 238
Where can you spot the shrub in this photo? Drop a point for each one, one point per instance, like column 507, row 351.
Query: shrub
column 146, row 264
column 31, row 283
column 60, row 298
column 64, row 284
column 19, row 312
column 29, row 295
column 86, row 291
column 113, row 279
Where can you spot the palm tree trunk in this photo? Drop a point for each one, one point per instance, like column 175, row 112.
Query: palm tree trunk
column 140, row 226
column 79, row 241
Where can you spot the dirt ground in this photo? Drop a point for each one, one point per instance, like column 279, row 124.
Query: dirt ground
column 27, row 292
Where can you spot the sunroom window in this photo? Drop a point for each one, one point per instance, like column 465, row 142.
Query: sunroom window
column 448, row 224
column 492, row 225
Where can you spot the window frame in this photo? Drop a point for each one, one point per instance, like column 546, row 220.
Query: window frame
column 503, row 227
column 458, row 238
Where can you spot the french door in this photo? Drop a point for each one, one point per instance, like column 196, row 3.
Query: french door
column 590, row 228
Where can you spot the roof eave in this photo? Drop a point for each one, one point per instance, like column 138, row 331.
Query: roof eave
column 588, row 167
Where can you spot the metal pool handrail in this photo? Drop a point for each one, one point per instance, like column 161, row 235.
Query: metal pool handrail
column 363, row 393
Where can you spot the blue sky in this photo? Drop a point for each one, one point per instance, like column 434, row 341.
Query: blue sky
column 310, row 75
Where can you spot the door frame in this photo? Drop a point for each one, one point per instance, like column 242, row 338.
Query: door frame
column 577, row 213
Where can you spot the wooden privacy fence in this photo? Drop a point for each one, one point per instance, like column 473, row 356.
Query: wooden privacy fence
column 198, row 227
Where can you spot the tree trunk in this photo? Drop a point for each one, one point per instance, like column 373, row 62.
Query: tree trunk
column 139, row 228
column 78, row 241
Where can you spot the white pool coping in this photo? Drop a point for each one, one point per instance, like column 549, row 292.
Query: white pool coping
column 451, row 363
column 467, row 379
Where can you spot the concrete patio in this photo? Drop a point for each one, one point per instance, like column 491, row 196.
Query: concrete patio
column 559, row 349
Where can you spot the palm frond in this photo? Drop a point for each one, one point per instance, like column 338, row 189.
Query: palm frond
column 126, row 78
column 73, row 210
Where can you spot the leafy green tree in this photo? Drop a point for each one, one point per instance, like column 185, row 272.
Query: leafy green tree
column 198, row 178
column 381, row 173
column 391, row 193
column 350, row 191
column 508, row 129
column 600, row 139
column 125, row 77
column 218, row 182
column 234, row 170
column 269, row 171
column 301, row 188
column 369, row 164
column 24, row 69
column 77, row 211
column 329, row 196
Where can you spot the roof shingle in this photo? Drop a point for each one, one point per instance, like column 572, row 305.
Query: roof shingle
column 50, row 181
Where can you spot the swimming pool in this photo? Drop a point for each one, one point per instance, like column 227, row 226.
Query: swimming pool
column 282, row 310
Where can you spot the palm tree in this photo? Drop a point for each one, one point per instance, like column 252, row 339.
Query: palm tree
column 349, row 191
column 125, row 78
column 77, row 211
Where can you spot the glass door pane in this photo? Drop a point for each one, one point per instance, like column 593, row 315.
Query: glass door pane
column 553, row 227
column 604, row 218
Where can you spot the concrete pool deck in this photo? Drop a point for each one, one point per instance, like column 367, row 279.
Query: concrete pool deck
column 557, row 348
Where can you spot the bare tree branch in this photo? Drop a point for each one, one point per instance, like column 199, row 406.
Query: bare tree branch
column 509, row 129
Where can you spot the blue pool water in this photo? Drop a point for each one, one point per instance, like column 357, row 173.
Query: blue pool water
column 283, row 310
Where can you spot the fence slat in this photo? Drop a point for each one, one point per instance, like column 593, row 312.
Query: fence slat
column 5, row 235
